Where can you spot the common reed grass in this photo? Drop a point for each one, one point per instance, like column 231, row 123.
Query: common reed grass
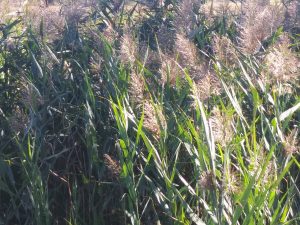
column 183, row 112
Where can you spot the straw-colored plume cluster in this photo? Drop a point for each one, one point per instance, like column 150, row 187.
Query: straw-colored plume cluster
column 128, row 49
column 186, row 18
column 224, row 50
column 232, row 181
column 221, row 127
column 19, row 121
column 136, row 88
column 50, row 18
column 31, row 97
column 255, row 168
column 213, row 9
column 208, row 85
column 154, row 119
column 130, row 52
column 260, row 19
column 207, row 180
column 110, row 33
column 188, row 55
column 281, row 63
column 176, row 52
column 95, row 64
column 113, row 166
column 291, row 143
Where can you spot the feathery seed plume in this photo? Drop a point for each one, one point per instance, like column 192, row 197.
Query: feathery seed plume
column 281, row 63
column 128, row 49
column 136, row 88
column 232, row 182
column 207, row 85
column 186, row 18
column 31, row 97
column 212, row 9
column 260, row 19
column 187, row 55
column 19, row 121
column 113, row 166
column 170, row 70
column 291, row 143
column 207, row 181
column 221, row 127
column 154, row 119
column 255, row 168
column 224, row 50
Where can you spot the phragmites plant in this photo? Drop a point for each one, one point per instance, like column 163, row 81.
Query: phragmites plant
column 188, row 55
column 19, row 121
column 215, row 9
column 31, row 97
column 266, row 176
column 136, row 88
column 95, row 64
column 170, row 70
column 128, row 49
column 150, row 112
column 47, row 21
column 232, row 182
column 207, row 180
column 221, row 127
column 291, row 144
column 259, row 20
column 113, row 167
column 281, row 63
column 224, row 50
column 154, row 119
column 73, row 14
column 207, row 85
column 109, row 33
column 186, row 18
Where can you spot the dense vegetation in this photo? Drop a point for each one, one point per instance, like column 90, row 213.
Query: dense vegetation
column 174, row 112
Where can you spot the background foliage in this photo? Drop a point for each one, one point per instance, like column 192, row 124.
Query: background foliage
column 163, row 112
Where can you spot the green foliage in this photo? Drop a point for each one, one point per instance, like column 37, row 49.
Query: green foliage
column 76, row 146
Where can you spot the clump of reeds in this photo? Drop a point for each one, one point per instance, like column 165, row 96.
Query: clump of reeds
column 113, row 166
column 217, row 9
column 19, row 121
column 207, row 85
column 281, row 64
column 136, row 88
column 259, row 20
column 154, row 119
column 186, row 17
column 128, row 49
column 207, row 180
column 221, row 127
column 291, row 144
column 188, row 55
column 225, row 51
column 229, row 158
